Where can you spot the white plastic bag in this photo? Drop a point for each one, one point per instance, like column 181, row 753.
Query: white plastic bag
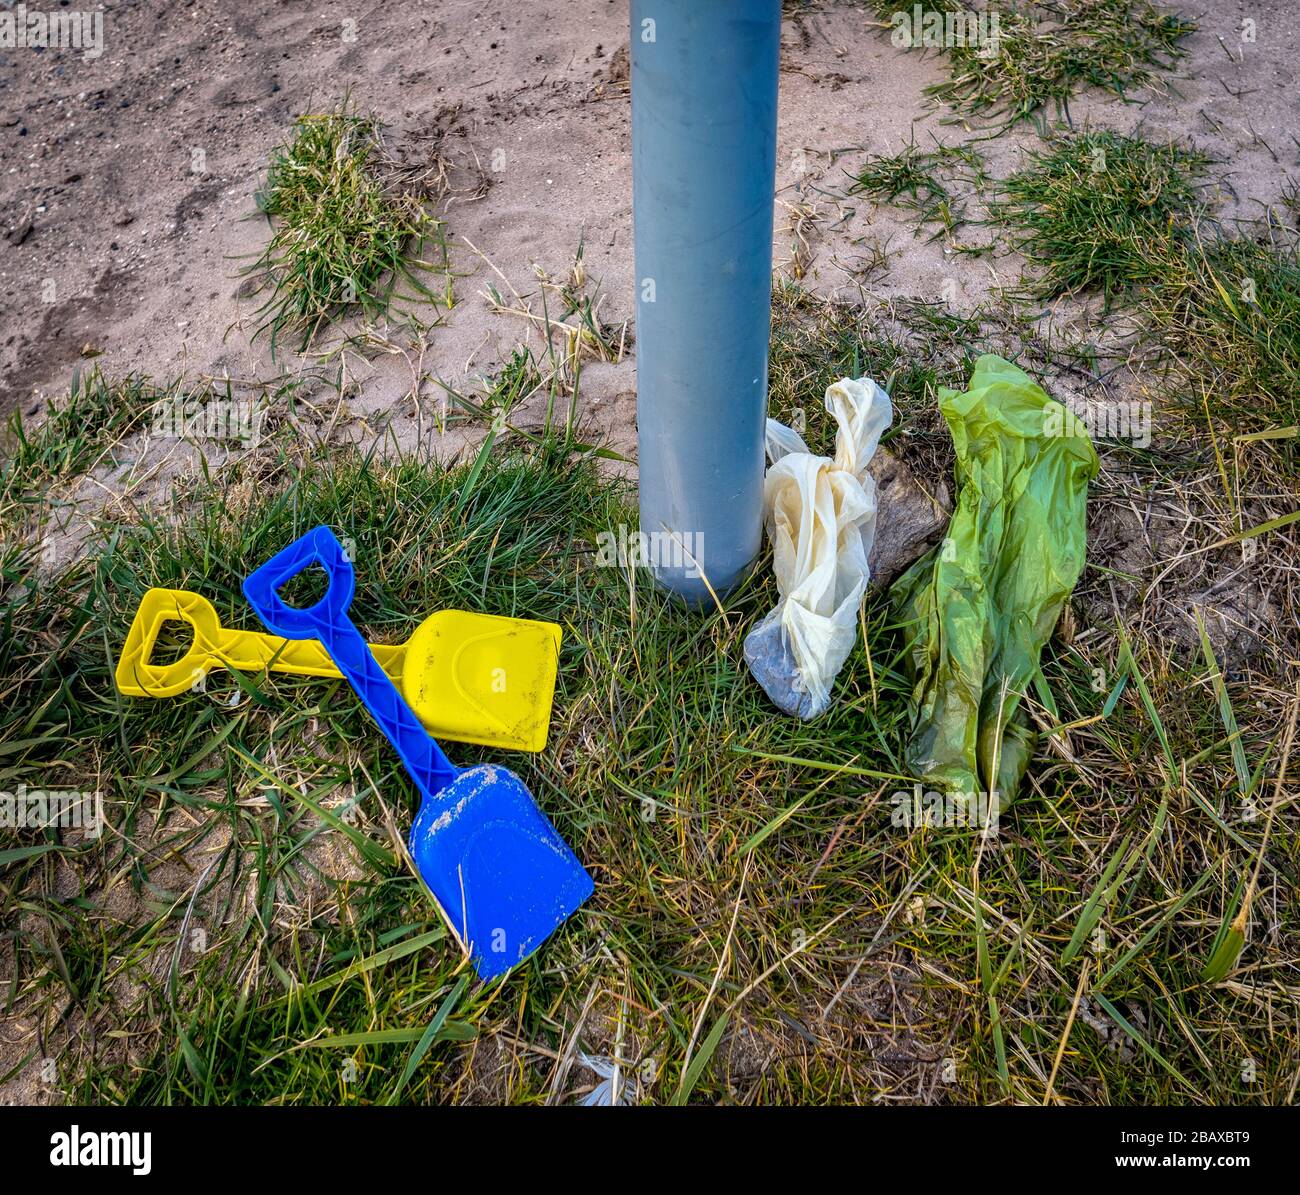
column 821, row 519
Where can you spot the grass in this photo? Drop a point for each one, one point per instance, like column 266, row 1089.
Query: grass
column 199, row 779
column 1215, row 311
column 569, row 321
column 1100, row 211
column 1046, row 53
column 1103, row 211
column 762, row 931
column 911, row 348
column 77, row 433
column 1231, row 317
column 922, row 181
column 349, row 226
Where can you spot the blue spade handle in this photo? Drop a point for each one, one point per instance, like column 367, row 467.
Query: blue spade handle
column 328, row 621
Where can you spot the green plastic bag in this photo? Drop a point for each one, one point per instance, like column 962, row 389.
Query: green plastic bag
column 979, row 608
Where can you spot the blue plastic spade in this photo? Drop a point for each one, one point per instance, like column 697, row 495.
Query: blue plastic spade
column 501, row 873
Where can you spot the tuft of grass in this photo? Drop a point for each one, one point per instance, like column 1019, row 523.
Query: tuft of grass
column 349, row 226
column 1119, row 214
column 1103, row 210
column 510, row 387
column 1231, row 316
column 1045, row 53
column 922, row 180
column 78, row 431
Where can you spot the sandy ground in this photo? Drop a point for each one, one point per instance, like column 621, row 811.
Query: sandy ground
column 127, row 180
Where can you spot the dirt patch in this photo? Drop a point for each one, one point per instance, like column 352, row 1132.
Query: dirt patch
column 136, row 170
column 1157, row 580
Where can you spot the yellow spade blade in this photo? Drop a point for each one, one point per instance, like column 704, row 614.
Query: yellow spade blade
column 480, row 678
column 474, row 678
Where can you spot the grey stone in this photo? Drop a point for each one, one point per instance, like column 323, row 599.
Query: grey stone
column 909, row 521
column 772, row 664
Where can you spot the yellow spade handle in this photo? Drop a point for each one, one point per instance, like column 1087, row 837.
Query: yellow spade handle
column 251, row 651
column 214, row 647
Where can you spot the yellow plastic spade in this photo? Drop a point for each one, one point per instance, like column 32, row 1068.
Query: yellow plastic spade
column 475, row 678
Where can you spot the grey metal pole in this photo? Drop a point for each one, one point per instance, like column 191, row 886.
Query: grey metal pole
column 704, row 92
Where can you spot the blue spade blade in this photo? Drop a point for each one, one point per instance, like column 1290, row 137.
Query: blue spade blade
column 496, row 865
